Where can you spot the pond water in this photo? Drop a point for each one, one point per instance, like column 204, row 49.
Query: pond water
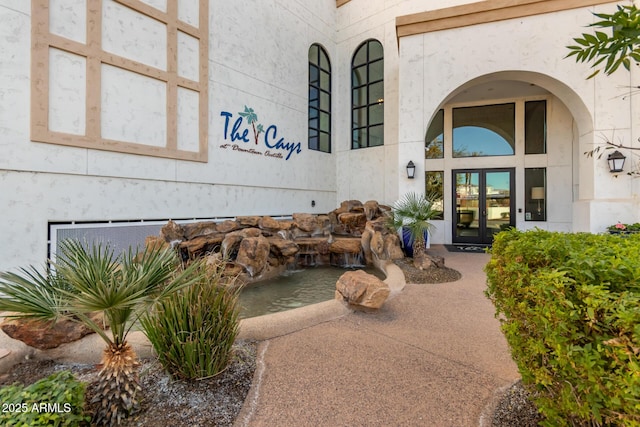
column 293, row 289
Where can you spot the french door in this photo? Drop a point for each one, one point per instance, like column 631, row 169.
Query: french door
column 483, row 204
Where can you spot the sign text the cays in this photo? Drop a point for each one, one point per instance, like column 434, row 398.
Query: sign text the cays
column 237, row 131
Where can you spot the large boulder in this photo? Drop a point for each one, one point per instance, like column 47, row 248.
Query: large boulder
column 346, row 246
column 305, row 222
column 283, row 247
column 358, row 288
column 202, row 244
column 269, row 223
column 172, row 231
column 248, row 221
column 47, row 335
column 353, row 222
column 350, row 206
column 228, row 226
column 253, row 254
column 201, row 228
column 392, row 248
column 371, row 209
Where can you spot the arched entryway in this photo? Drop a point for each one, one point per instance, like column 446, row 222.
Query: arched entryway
column 505, row 151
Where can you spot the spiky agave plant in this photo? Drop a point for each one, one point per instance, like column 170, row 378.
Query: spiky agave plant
column 85, row 281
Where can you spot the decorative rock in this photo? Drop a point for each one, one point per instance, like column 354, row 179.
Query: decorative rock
column 156, row 242
column 283, row 247
column 197, row 229
column 353, row 234
column 172, row 232
column 354, row 222
column 46, row 335
column 248, row 221
column 229, row 269
column 202, row 243
column 253, row 254
column 392, row 248
column 422, row 261
column 378, row 224
column 346, row 246
column 228, row 226
column 268, row 223
column 371, row 209
column 350, row 206
column 377, row 245
column 305, row 222
column 365, row 243
column 230, row 245
column 248, row 232
column 317, row 245
column 362, row 289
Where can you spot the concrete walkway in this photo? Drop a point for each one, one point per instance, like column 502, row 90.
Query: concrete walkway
column 432, row 356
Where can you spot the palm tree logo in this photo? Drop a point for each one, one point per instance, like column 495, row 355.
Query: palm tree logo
column 252, row 119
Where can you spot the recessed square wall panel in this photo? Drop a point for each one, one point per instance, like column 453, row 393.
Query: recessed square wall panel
column 68, row 19
column 67, row 92
column 133, row 35
column 188, row 12
column 133, row 107
column 188, row 56
column 158, row 4
column 187, row 120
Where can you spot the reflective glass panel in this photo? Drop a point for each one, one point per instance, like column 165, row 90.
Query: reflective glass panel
column 535, row 127
column 376, row 135
column 434, row 187
column 434, row 139
column 484, row 131
column 376, row 114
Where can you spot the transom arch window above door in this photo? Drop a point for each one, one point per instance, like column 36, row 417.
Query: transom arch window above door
column 367, row 95
column 487, row 130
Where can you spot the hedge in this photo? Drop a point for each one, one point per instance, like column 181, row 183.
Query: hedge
column 569, row 305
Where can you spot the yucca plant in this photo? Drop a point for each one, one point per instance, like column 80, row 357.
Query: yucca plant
column 84, row 281
column 194, row 332
column 414, row 212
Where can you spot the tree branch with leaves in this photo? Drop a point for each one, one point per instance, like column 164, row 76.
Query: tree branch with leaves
column 608, row 52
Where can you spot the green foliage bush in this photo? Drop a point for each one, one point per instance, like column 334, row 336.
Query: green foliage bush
column 193, row 332
column 57, row 400
column 570, row 310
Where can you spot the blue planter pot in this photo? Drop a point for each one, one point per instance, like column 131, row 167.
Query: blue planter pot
column 407, row 244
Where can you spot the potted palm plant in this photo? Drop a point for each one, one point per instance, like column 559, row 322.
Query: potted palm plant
column 412, row 215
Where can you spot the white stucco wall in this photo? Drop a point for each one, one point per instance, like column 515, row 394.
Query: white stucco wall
column 583, row 195
column 258, row 57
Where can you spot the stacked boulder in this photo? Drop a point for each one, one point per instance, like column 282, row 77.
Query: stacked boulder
column 259, row 247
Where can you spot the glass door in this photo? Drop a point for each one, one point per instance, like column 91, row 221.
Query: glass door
column 484, row 204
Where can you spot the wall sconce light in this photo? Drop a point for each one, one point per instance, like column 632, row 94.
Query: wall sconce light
column 537, row 193
column 616, row 161
column 411, row 170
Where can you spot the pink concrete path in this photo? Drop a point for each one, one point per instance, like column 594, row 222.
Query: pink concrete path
column 434, row 355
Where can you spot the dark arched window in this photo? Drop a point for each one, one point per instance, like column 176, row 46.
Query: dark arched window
column 319, row 99
column 367, row 95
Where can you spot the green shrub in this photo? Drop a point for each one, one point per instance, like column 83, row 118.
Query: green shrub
column 193, row 332
column 570, row 310
column 57, row 400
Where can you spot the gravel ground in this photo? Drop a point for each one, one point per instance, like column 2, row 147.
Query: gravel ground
column 515, row 409
column 164, row 402
column 430, row 275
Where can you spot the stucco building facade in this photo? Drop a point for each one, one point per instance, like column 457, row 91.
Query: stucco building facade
column 120, row 111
